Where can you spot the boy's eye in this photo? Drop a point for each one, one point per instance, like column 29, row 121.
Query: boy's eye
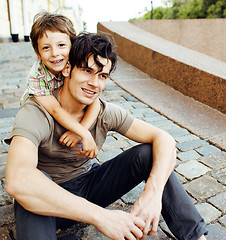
column 45, row 48
column 87, row 70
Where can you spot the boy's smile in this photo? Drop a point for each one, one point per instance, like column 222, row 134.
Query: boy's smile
column 53, row 50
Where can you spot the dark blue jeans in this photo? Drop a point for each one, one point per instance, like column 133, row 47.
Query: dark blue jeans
column 106, row 183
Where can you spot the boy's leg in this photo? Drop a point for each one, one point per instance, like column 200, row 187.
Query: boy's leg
column 31, row 226
column 116, row 177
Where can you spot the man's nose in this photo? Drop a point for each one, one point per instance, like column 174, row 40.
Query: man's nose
column 94, row 80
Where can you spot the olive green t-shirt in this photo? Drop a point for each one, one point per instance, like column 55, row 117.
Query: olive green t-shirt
column 60, row 162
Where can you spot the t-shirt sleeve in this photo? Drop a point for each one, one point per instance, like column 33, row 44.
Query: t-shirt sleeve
column 32, row 123
column 117, row 119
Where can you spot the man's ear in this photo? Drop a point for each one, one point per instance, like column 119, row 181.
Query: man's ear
column 66, row 70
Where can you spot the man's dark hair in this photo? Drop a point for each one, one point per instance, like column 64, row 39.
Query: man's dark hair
column 88, row 44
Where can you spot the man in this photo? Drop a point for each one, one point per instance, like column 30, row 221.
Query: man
column 51, row 182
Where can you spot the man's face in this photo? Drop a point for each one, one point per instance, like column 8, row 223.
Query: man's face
column 87, row 83
column 53, row 50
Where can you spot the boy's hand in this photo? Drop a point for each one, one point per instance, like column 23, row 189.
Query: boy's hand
column 89, row 147
column 69, row 139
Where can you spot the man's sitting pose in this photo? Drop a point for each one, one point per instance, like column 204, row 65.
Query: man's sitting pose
column 54, row 185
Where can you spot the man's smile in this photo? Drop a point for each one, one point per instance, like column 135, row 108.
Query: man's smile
column 89, row 91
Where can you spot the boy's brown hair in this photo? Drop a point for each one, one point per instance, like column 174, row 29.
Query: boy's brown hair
column 44, row 21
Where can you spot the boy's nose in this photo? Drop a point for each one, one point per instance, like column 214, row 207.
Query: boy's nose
column 54, row 52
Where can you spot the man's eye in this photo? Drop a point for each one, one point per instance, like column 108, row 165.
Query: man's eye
column 103, row 76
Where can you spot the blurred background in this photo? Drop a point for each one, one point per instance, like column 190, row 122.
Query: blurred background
column 16, row 16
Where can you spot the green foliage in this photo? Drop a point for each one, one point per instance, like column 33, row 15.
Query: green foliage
column 182, row 9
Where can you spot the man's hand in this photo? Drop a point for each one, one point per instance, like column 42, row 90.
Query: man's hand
column 119, row 225
column 89, row 148
column 148, row 207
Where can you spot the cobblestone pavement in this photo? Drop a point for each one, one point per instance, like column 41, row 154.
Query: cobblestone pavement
column 200, row 166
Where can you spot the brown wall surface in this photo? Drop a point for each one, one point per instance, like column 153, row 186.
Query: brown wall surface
column 203, row 35
column 193, row 74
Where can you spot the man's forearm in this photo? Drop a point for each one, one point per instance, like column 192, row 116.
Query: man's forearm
column 164, row 159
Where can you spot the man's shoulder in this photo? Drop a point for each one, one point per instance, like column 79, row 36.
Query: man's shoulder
column 33, row 122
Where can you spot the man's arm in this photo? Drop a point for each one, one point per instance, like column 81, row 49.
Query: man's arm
column 40, row 195
column 148, row 205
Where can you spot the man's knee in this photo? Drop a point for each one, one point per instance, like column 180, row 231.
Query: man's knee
column 143, row 158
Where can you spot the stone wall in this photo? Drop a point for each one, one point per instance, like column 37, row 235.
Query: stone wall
column 191, row 73
column 203, row 35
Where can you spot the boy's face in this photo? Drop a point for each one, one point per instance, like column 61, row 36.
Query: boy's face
column 53, row 50
column 86, row 83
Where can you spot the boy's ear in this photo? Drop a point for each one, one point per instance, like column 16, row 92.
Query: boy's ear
column 66, row 70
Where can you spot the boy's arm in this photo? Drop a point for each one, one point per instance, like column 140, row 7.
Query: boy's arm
column 53, row 107
column 91, row 114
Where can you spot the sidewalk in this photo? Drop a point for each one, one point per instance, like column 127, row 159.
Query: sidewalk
column 200, row 141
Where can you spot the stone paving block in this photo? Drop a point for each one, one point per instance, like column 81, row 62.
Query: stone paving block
column 154, row 119
column 208, row 212
column 192, row 169
column 166, row 229
column 129, row 97
column 5, row 113
column 181, row 178
column 119, row 136
column 6, row 129
column 121, row 144
column 2, row 171
column 220, row 175
column 185, row 146
column 139, row 105
column 5, row 198
column 206, row 150
column 3, row 158
column 217, row 160
column 104, row 156
column 113, row 95
column 12, row 105
column 4, row 234
column 132, row 195
column 167, row 124
column 126, row 105
column 223, row 221
column 216, row 231
column 186, row 138
column 4, row 148
column 6, row 122
column 189, row 155
column 178, row 132
column 204, row 187
column 219, row 201
column 6, row 215
column 143, row 111
column 110, row 139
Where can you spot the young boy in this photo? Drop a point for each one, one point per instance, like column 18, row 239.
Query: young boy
column 51, row 36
